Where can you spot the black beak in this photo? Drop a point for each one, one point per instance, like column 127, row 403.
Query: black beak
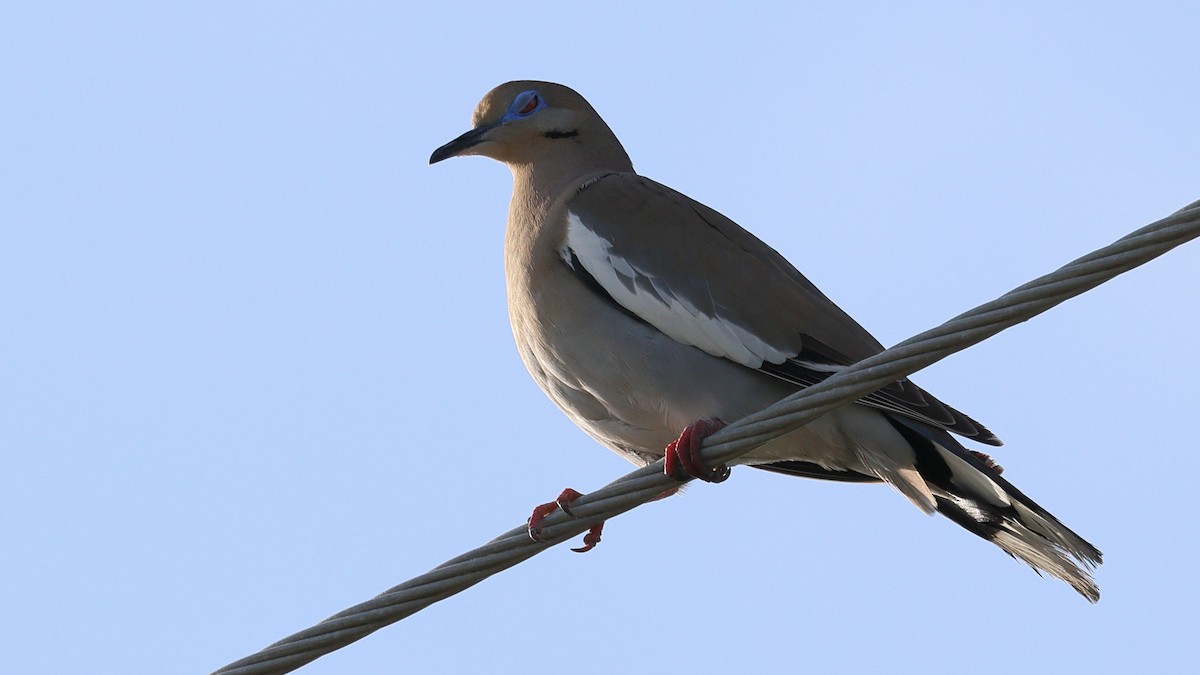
column 456, row 147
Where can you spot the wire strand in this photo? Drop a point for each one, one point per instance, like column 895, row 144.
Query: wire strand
column 646, row 483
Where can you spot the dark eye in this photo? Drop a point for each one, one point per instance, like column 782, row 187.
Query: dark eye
column 530, row 106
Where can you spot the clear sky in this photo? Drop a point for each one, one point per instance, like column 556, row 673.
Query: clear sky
column 255, row 364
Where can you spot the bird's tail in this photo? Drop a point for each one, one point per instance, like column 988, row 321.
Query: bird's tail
column 967, row 488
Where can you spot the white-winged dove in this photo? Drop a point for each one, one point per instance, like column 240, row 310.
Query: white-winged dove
column 643, row 313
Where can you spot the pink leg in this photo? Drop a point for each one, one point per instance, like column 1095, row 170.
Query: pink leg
column 563, row 502
column 682, row 462
column 683, row 459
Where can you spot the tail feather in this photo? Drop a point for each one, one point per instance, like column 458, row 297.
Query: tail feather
column 906, row 479
column 972, row 494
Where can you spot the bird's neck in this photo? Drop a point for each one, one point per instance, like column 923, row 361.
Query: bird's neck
column 534, row 234
column 532, row 193
column 536, row 185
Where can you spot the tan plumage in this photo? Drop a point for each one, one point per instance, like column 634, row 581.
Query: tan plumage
column 640, row 311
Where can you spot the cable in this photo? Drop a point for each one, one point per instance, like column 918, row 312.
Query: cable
column 646, row 483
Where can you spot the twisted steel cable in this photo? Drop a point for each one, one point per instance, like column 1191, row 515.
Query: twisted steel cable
column 646, row 483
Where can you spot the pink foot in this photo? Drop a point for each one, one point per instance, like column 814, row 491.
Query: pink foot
column 590, row 539
column 563, row 502
column 683, row 459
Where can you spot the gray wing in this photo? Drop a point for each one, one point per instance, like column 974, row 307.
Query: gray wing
column 704, row 281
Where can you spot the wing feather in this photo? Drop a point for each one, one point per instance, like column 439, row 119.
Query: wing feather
column 704, row 281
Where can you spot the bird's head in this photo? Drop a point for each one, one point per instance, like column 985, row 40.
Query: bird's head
column 521, row 122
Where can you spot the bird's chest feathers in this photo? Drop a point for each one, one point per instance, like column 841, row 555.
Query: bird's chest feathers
column 570, row 337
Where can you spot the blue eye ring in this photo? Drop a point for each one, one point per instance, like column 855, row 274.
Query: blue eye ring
column 525, row 104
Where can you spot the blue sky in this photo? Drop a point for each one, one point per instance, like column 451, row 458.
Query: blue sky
column 256, row 364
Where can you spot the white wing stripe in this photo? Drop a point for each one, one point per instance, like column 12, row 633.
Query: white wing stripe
column 662, row 307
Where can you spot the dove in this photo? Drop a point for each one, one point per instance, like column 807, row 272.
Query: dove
column 651, row 320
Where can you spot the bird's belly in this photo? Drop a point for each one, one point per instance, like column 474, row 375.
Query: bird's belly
column 634, row 389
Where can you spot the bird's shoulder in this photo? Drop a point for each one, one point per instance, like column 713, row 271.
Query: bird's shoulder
column 652, row 247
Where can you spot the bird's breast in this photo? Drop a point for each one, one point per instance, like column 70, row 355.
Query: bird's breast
column 628, row 385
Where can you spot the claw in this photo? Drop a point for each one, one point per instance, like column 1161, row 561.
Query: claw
column 683, row 459
column 535, row 519
column 590, row 539
column 562, row 502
